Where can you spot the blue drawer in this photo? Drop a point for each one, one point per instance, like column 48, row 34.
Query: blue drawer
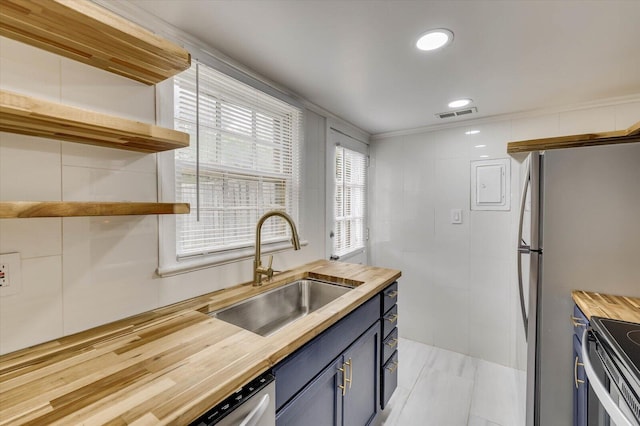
column 389, row 379
column 389, row 321
column 580, row 322
column 389, row 345
column 389, row 297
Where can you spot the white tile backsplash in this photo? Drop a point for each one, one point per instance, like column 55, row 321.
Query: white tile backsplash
column 451, row 264
column 449, row 308
column 109, row 265
column 101, row 91
column 35, row 237
column 35, row 314
column 491, row 233
column 90, row 184
column 81, row 155
column 490, row 337
column 29, row 71
column 40, row 181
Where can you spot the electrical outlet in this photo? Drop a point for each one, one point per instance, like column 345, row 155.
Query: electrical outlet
column 4, row 275
column 10, row 274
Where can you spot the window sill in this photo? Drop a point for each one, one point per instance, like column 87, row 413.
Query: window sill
column 207, row 261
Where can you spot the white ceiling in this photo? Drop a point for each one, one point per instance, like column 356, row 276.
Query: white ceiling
column 357, row 58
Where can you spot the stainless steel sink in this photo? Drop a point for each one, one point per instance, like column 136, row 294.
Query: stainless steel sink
column 266, row 313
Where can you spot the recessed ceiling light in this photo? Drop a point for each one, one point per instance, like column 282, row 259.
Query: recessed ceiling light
column 435, row 39
column 472, row 132
column 484, row 156
column 480, row 146
column 459, row 103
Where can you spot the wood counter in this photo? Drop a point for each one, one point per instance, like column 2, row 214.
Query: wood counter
column 608, row 306
column 169, row 365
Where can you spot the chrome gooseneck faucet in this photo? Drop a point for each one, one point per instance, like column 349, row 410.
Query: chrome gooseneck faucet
column 258, row 269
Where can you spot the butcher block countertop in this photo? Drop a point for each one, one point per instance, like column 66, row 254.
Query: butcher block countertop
column 608, row 306
column 169, row 365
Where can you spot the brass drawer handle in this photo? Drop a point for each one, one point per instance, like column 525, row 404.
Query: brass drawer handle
column 575, row 372
column 577, row 322
column 392, row 318
column 344, row 380
column 392, row 294
column 393, row 367
column 392, row 343
column 350, row 379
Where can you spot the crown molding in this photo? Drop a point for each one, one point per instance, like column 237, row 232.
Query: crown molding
column 619, row 100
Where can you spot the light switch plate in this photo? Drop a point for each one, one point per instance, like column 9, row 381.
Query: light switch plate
column 456, row 216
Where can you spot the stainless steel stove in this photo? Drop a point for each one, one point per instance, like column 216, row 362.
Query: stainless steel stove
column 617, row 346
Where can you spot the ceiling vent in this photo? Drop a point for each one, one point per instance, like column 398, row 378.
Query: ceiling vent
column 458, row 113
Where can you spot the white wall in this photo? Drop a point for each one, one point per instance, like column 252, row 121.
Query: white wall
column 82, row 272
column 458, row 289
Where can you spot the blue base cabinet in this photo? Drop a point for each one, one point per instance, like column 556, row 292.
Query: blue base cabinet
column 335, row 379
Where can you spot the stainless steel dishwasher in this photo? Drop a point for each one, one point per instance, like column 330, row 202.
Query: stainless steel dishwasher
column 252, row 405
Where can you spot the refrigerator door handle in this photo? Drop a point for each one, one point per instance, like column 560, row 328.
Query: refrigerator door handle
column 523, row 248
column 601, row 392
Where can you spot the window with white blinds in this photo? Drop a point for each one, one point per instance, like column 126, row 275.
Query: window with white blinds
column 350, row 199
column 243, row 160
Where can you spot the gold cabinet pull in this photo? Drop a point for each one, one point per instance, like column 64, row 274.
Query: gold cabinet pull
column 392, row 294
column 392, row 343
column 577, row 322
column 344, row 380
column 393, row 367
column 350, row 379
column 392, row 318
column 575, row 372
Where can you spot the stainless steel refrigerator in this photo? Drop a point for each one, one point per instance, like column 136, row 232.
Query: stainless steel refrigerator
column 580, row 229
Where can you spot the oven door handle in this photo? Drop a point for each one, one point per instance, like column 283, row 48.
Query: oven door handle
column 603, row 395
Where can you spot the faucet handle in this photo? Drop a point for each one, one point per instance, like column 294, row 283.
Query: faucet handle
column 269, row 268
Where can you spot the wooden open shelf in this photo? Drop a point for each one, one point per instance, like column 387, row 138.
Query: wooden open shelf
column 86, row 32
column 30, row 116
column 30, row 209
column 632, row 134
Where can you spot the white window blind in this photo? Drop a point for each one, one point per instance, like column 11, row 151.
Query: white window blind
column 243, row 160
column 350, row 193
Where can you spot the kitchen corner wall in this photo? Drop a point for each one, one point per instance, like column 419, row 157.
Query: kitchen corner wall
column 459, row 284
column 81, row 272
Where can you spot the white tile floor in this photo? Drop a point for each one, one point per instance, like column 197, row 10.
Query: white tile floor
column 437, row 387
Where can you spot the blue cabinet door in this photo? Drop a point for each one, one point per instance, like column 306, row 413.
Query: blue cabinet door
column 362, row 364
column 320, row 403
column 580, row 387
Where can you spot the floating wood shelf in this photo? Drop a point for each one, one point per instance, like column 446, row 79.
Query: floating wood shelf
column 86, row 32
column 632, row 134
column 30, row 116
column 30, row 209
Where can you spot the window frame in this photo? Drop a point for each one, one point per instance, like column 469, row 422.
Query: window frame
column 169, row 262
